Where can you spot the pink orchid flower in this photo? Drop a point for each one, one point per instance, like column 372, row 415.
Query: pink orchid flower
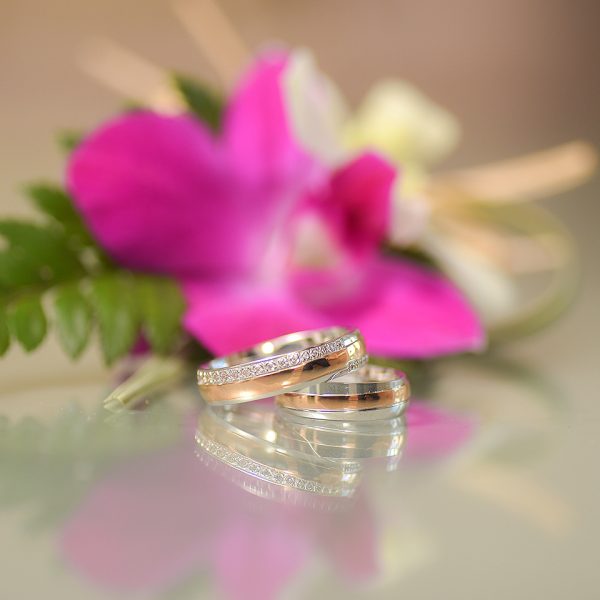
column 264, row 238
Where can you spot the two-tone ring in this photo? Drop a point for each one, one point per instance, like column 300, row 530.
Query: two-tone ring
column 372, row 392
column 286, row 364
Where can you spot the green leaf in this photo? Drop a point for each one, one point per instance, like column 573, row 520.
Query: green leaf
column 69, row 139
column 131, row 106
column 54, row 202
column 73, row 319
column 114, row 302
column 17, row 269
column 35, row 254
column 27, row 322
column 204, row 103
column 413, row 254
column 161, row 307
column 4, row 332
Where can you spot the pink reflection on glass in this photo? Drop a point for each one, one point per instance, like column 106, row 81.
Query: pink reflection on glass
column 435, row 432
column 153, row 522
column 158, row 519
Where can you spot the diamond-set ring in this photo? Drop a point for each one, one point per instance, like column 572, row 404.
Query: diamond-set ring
column 287, row 363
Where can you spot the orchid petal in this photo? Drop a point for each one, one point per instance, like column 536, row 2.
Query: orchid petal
column 257, row 133
column 317, row 109
column 417, row 314
column 403, row 310
column 399, row 120
column 411, row 217
column 142, row 182
column 159, row 195
column 357, row 203
column 227, row 318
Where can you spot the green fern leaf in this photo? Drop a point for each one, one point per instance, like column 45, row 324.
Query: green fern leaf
column 74, row 319
column 4, row 332
column 201, row 101
column 161, row 308
column 36, row 254
column 55, row 203
column 114, row 302
column 27, row 322
column 69, row 139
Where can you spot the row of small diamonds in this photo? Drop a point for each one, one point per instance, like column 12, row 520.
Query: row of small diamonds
column 268, row 365
column 270, row 474
column 357, row 363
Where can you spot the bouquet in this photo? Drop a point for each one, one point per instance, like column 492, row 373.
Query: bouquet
column 200, row 221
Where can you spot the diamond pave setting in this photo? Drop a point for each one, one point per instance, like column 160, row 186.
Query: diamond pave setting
column 262, row 471
column 274, row 364
column 356, row 364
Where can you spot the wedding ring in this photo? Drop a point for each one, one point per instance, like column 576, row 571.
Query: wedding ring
column 373, row 392
column 285, row 364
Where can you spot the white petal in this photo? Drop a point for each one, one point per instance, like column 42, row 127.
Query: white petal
column 400, row 121
column 316, row 108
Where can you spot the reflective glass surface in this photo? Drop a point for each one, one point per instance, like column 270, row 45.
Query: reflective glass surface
column 487, row 485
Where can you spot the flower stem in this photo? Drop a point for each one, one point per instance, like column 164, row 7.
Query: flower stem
column 155, row 374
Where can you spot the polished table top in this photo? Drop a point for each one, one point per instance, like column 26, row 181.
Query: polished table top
column 487, row 489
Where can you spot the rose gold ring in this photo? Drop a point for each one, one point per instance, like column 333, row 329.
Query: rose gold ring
column 373, row 392
column 285, row 364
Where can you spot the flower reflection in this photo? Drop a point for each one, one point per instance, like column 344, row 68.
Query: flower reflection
column 157, row 512
column 436, row 432
column 155, row 521
column 142, row 509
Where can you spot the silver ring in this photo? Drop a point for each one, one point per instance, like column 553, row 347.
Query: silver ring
column 373, row 392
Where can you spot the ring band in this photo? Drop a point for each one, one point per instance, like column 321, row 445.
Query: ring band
column 285, row 364
column 373, row 392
